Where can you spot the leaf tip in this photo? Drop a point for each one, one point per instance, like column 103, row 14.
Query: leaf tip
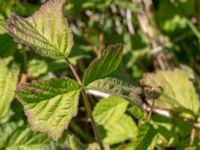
column 118, row 47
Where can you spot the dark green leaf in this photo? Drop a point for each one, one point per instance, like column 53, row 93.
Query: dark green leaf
column 146, row 139
column 105, row 65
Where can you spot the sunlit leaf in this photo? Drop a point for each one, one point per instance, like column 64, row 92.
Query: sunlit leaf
column 37, row 67
column 2, row 23
column 95, row 146
column 8, row 84
column 109, row 110
column 25, row 139
column 50, row 105
column 178, row 92
column 123, row 129
column 137, row 113
column 6, row 130
column 47, row 31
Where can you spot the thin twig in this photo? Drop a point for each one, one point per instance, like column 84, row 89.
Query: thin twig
column 151, row 110
column 72, row 68
column 129, row 21
column 192, row 136
column 22, row 80
column 146, row 107
column 87, row 106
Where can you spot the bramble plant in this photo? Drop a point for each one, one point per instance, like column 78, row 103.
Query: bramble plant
column 52, row 104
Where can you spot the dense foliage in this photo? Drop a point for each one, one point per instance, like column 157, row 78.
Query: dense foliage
column 99, row 74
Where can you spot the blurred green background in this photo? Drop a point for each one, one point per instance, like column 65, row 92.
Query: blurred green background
column 159, row 29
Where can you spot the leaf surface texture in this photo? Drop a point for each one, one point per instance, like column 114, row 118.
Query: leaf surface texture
column 50, row 104
column 47, row 30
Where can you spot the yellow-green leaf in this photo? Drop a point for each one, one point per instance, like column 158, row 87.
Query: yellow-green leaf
column 178, row 92
column 25, row 139
column 47, row 31
column 109, row 110
column 2, row 22
column 8, row 83
column 122, row 130
column 50, row 105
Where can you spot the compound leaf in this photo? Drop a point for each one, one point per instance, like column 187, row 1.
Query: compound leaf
column 50, row 104
column 47, row 31
column 105, row 65
column 109, row 110
column 8, row 83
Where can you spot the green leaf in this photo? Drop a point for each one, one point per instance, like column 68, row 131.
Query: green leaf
column 167, row 130
column 2, row 23
column 8, row 47
column 137, row 113
column 8, row 83
column 178, row 91
column 6, row 130
column 105, row 65
column 50, row 104
column 116, row 87
column 175, row 19
column 146, row 139
column 47, row 31
column 25, row 139
column 95, row 146
column 75, row 144
column 41, row 66
column 123, row 129
column 191, row 148
column 37, row 67
column 109, row 110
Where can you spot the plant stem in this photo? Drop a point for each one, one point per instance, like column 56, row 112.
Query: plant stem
column 192, row 136
column 151, row 110
column 96, row 132
column 74, row 72
column 87, row 105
